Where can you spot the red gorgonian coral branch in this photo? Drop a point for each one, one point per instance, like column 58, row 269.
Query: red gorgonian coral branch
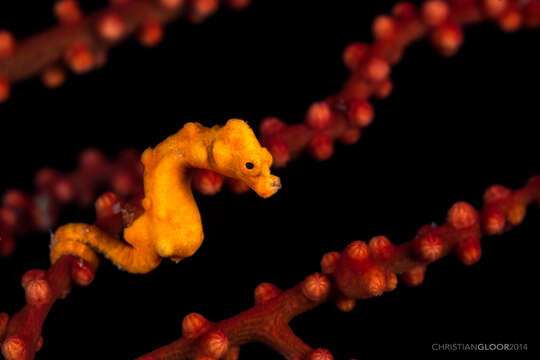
column 82, row 42
column 361, row 271
column 21, row 213
column 343, row 116
column 21, row 334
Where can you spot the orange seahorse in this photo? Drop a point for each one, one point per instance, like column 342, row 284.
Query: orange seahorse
column 170, row 226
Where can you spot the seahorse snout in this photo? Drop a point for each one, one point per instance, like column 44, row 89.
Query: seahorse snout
column 267, row 186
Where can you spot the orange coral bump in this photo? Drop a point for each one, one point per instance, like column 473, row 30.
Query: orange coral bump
column 170, row 226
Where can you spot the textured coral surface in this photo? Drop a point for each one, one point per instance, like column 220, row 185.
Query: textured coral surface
column 451, row 128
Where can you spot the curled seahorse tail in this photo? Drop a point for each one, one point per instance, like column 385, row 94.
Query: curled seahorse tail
column 84, row 240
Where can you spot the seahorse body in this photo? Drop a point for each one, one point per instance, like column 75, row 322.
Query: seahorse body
column 170, row 226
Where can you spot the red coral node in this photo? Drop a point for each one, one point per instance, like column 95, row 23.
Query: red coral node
column 329, row 262
column 111, row 27
column 375, row 280
column 345, row 304
column 38, row 292
column 384, row 27
column 280, row 151
column 207, row 182
column 493, row 222
column 350, row 136
column 384, row 89
column 354, row 54
column 14, row 348
column 237, row 186
column 201, row 9
column 46, row 177
column 360, row 280
column 462, row 215
column 265, row 292
column 125, row 182
column 447, row 38
column 357, row 251
column 319, row 354
column 64, row 190
column 511, row 20
column 405, row 11
column 82, row 273
column 68, row 11
column 377, row 69
column 16, row 199
column 7, row 43
column 496, row 193
column 9, row 218
column 429, row 247
column 79, row 58
column 316, row 287
column 435, row 12
column 271, row 125
column 381, row 248
column 151, row 34
column 321, row 147
column 32, row 275
column 391, row 280
column 469, row 250
column 494, row 8
column 194, row 325
column 108, row 204
column 319, row 116
column 516, row 213
column 215, row 344
column 360, row 112
column 414, row 276
column 92, row 160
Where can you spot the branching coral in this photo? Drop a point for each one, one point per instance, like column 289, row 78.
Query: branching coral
column 21, row 213
column 42, row 289
column 83, row 42
column 342, row 116
column 362, row 270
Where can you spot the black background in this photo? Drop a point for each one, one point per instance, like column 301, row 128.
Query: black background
column 451, row 128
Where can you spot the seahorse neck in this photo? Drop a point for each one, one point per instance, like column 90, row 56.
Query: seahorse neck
column 177, row 156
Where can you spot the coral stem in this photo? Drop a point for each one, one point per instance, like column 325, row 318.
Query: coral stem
column 360, row 272
column 344, row 115
column 22, row 336
column 40, row 51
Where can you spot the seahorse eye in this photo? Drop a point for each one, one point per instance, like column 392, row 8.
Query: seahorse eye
column 250, row 165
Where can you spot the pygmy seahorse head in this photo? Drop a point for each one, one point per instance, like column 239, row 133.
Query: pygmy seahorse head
column 237, row 153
